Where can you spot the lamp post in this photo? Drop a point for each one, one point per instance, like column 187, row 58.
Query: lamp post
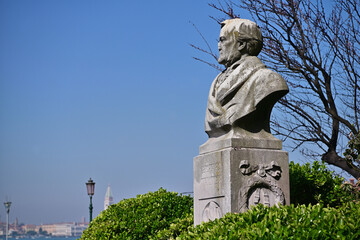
column 90, row 186
column 7, row 206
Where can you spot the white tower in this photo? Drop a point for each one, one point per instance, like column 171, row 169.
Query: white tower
column 108, row 198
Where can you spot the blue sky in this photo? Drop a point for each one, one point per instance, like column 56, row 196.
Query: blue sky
column 100, row 89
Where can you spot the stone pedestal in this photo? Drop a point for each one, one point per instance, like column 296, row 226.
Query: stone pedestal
column 233, row 174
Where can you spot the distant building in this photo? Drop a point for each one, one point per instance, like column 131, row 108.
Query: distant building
column 49, row 228
column 63, row 229
column 29, row 227
column 77, row 230
column 16, row 223
column 108, row 198
column 83, row 220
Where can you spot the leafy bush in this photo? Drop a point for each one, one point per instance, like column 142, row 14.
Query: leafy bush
column 176, row 228
column 283, row 222
column 311, row 184
column 141, row 217
column 166, row 215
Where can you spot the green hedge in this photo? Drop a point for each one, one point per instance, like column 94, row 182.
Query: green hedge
column 140, row 217
column 284, row 222
column 312, row 184
column 176, row 228
column 167, row 215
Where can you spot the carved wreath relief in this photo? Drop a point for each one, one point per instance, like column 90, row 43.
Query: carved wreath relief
column 262, row 187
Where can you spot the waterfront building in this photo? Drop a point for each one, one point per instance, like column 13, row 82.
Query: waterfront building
column 63, row 229
column 77, row 229
column 29, row 227
column 69, row 229
column 49, row 228
column 108, row 198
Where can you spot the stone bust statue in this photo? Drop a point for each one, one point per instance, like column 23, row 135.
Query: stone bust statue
column 242, row 96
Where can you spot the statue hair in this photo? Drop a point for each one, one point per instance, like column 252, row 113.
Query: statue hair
column 244, row 30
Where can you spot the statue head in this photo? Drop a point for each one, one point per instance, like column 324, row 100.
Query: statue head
column 238, row 37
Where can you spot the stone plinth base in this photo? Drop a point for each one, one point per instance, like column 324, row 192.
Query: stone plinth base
column 233, row 178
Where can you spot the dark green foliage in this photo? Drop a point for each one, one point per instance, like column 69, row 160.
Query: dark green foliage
column 311, row 184
column 284, row 222
column 141, row 217
column 352, row 153
column 353, row 189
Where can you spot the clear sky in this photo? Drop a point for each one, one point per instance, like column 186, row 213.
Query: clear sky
column 100, row 89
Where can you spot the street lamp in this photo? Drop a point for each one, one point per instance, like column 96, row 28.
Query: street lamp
column 90, row 186
column 7, row 206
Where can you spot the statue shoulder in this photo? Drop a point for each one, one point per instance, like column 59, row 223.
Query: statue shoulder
column 271, row 79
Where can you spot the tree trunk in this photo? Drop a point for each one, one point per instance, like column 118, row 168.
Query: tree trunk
column 331, row 157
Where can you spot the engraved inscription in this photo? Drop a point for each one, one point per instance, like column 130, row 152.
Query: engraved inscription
column 210, row 170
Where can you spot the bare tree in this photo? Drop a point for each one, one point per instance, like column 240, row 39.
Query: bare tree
column 317, row 50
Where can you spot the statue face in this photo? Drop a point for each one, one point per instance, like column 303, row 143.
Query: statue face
column 229, row 48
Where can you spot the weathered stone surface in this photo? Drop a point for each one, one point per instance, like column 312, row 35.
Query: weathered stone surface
column 242, row 163
column 233, row 178
column 242, row 96
column 214, row 144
